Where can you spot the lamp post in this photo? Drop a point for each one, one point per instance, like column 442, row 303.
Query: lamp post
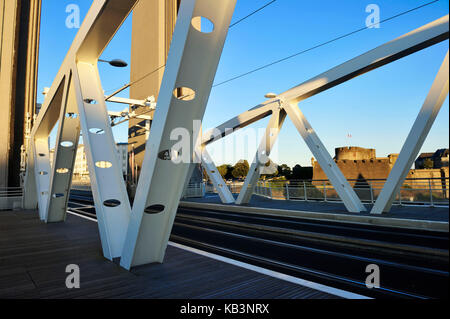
column 116, row 63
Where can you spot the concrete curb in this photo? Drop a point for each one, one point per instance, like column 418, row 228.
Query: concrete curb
column 343, row 218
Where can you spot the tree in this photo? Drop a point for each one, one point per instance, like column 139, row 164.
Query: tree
column 428, row 163
column 241, row 169
column 270, row 169
column 302, row 173
column 223, row 170
column 284, row 170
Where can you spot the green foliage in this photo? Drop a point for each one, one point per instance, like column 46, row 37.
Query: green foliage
column 428, row 163
column 284, row 170
column 241, row 169
column 223, row 170
column 302, row 173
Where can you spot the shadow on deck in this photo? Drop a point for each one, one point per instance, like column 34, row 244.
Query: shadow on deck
column 34, row 256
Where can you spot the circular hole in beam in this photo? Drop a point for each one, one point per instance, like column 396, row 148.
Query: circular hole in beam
column 184, row 93
column 62, row 170
column 90, row 101
column 154, row 209
column 66, row 144
column 97, row 131
column 103, row 164
column 202, row 24
column 71, row 115
column 111, row 203
column 41, row 154
column 43, row 173
column 58, row 195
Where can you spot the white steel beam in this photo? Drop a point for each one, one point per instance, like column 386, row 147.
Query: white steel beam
column 42, row 168
column 245, row 119
column 416, row 40
column 192, row 63
column 334, row 174
column 414, row 142
column 41, row 148
column 64, row 157
column 220, row 185
column 112, row 205
column 262, row 156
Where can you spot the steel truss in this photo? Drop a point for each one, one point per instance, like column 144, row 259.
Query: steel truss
column 139, row 235
column 421, row 38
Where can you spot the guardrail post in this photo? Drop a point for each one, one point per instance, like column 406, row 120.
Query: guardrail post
column 371, row 192
column 324, row 191
column 431, row 193
column 287, row 191
column 304, row 188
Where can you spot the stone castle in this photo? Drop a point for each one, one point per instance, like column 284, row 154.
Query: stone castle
column 357, row 163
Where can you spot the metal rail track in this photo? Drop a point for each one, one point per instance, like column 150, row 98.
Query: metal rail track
column 413, row 264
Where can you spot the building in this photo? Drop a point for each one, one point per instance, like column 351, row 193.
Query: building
column 149, row 52
column 357, row 163
column 19, row 53
column 361, row 164
column 81, row 171
column 438, row 159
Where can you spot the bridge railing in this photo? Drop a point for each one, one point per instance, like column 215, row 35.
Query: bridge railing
column 195, row 190
column 419, row 191
column 11, row 197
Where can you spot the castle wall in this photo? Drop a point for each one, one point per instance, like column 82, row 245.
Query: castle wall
column 359, row 169
column 354, row 153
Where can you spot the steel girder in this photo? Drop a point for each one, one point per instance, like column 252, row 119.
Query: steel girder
column 192, row 63
column 414, row 142
column 416, row 40
column 262, row 155
column 76, row 99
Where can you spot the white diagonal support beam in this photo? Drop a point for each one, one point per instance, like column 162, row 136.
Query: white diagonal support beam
column 334, row 174
column 414, row 142
column 262, row 156
column 41, row 151
column 220, row 185
column 416, row 40
column 242, row 120
column 64, row 157
column 41, row 148
column 112, row 206
column 192, row 63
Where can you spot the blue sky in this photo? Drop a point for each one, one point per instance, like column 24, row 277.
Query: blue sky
column 377, row 109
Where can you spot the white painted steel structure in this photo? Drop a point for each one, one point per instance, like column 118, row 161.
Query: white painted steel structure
column 407, row 44
column 139, row 235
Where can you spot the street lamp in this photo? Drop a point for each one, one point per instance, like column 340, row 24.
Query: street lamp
column 116, row 63
column 270, row 96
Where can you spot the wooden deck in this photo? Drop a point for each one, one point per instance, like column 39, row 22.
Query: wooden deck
column 34, row 256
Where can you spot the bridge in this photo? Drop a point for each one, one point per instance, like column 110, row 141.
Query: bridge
column 248, row 240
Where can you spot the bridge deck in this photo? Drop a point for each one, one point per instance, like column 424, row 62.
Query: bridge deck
column 34, row 256
column 439, row 214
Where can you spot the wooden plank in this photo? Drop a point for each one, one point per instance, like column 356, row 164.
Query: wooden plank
column 34, row 255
